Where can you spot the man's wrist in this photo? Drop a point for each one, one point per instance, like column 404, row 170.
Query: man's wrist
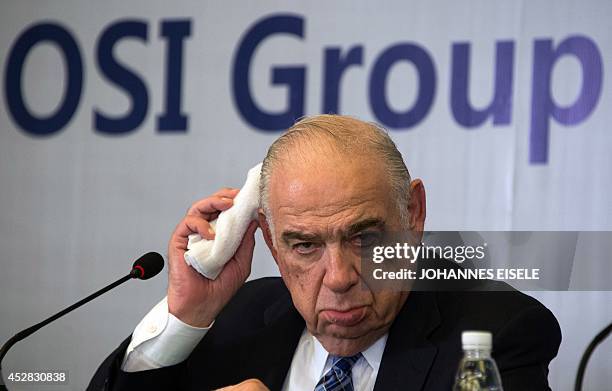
column 191, row 318
column 194, row 322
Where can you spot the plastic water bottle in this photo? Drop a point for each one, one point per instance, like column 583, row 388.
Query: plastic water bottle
column 477, row 369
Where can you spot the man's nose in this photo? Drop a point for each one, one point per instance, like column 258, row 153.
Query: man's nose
column 341, row 271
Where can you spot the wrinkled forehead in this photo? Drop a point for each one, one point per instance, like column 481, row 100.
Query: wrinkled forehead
column 315, row 184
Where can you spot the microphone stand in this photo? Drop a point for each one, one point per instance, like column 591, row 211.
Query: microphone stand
column 135, row 273
column 587, row 354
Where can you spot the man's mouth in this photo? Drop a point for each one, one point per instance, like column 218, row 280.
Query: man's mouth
column 344, row 318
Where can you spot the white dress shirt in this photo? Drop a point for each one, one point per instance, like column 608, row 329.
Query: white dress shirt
column 161, row 340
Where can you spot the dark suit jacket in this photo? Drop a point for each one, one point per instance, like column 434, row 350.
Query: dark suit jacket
column 256, row 334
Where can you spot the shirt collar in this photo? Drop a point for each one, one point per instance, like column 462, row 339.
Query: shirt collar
column 374, row 353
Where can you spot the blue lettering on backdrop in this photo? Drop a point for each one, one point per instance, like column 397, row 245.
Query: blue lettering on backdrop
column 123, row 77
column 172, row 120
column 501, row 105
column 335, row 66
column 542, row 103
column 427, row 85
column 293, row 77
column 23, row 117
column 336, row 61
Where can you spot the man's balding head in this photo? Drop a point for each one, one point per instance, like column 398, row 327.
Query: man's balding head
column 335, row 138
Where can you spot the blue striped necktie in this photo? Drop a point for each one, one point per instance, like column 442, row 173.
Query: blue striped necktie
column 338, row 378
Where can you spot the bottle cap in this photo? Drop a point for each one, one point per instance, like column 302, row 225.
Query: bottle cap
column 480, row 340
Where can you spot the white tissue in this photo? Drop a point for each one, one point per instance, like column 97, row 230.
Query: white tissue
column 209, row 256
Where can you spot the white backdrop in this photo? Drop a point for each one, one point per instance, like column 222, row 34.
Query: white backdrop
column 77, row 204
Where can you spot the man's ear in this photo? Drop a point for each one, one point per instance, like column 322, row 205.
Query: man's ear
column 267, row 233
column 417, row 206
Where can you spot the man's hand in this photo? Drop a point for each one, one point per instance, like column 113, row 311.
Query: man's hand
column 247, row 385
column 193, row 298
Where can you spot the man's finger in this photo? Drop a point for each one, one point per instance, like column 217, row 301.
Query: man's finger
column 229, row 192
column 247, row 385
column 194, row 224
column 210, row 205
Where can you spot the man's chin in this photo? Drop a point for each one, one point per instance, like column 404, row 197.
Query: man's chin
column 344, row 343
column 346, row 332
column 347, row 340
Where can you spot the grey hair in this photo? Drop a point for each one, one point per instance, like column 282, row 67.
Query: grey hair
column 346, row 134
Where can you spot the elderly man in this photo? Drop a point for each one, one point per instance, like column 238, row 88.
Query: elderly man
column 327, row 186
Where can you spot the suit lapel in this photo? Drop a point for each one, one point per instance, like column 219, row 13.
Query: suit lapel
column 283, row 328
column 408, row 354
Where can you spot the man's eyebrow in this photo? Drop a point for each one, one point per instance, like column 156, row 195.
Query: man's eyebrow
column 353, row 229
column 289, row 235
column 363, row 224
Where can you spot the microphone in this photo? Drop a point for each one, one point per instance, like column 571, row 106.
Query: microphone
column 145, row 267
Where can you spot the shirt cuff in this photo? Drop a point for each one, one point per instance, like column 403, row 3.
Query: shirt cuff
column 161, row 340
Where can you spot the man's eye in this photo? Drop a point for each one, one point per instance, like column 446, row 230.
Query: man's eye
column 305, row 248
column 366, row 239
